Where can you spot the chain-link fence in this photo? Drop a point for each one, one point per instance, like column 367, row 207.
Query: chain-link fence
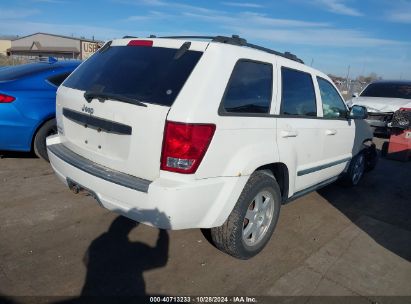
column 9, row 60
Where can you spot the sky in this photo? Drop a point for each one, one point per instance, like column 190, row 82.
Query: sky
column 369, row 36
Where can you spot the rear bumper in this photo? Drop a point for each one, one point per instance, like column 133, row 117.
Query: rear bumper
column 169, row 203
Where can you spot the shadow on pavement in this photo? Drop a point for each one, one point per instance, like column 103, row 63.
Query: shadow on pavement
column 16, row 154
column 115, row 265
column 380, row 205
column 384, row 195
column 6, row 300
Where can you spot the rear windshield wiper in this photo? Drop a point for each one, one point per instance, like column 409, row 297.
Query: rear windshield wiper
column 101, row 96
column 182, row 50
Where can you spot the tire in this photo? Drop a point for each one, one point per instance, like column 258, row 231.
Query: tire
column 39, row 143
column 384, row 149
column 236, row 237
column 371, row 157
column 356, row 170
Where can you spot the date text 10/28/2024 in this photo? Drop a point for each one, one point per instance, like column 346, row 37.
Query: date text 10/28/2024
column 205, row 299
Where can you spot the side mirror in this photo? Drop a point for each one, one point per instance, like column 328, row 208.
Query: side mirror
column 355, row 95
column 358, row 112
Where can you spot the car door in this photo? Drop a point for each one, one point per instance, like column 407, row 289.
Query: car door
column 337, row 130
column 299, row 138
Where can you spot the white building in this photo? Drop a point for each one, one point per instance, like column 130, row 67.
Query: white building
column 44, row 45
column 5, row 44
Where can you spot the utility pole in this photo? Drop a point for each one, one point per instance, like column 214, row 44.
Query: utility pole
column 348, row 75
column 312, row 61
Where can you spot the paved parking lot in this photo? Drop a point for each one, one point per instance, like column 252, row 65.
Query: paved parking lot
column 337, row 241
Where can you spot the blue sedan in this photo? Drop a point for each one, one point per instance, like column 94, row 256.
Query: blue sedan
column 28, row 104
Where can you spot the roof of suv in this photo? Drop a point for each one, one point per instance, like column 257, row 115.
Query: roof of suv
column 233, row 40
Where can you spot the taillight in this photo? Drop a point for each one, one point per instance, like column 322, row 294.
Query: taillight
column 185, row 145
column 6, row 98
column 140, row 43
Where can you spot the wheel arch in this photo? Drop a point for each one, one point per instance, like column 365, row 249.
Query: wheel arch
column 280, row 172
column 38, row 127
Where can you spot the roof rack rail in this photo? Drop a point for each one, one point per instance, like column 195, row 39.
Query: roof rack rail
column 128, row 37
column 237, row 40
column 189, row 37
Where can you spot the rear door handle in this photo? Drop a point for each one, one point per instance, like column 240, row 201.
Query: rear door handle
column 289, row 133
column 330, row 132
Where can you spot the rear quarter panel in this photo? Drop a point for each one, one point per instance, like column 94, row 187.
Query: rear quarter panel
column 240, row 144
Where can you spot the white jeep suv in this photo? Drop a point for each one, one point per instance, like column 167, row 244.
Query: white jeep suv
column 204, row 132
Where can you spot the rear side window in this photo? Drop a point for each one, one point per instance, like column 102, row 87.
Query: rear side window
column 58, row 79
column 250, row 88
column 18, row 71
column 298, row 95
column 333, row 105
column 148, row 74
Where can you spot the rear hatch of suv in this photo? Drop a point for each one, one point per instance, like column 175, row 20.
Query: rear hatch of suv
column 112, row 110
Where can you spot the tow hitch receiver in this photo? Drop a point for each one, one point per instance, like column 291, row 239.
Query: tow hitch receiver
column 79, row 189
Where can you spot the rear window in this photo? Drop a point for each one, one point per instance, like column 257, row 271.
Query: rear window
column 18, row 71
column 390, row 90
column 58, row 79
column 148, row 74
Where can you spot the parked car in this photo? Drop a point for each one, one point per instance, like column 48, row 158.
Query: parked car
column 383, row 98
column 28, row 104
column 185, row 133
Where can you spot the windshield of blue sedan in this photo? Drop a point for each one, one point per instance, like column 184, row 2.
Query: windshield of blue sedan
column 23, row 70
column 388, row 90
